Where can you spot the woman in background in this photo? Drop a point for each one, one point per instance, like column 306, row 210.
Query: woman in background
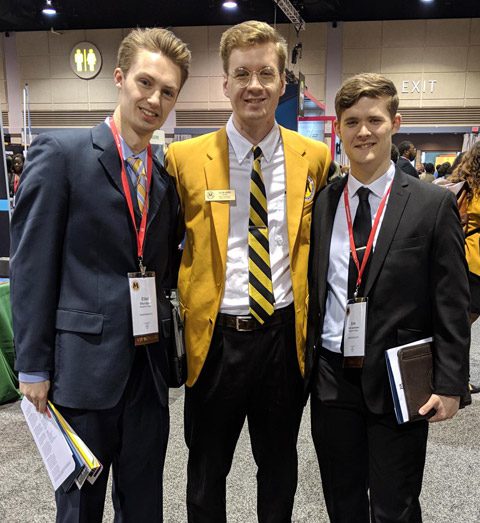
column 468, row 170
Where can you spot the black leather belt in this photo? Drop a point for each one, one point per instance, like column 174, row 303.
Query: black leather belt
column 249, row 323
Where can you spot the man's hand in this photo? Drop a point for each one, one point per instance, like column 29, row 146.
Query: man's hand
column 36, row 393
column 445, row 406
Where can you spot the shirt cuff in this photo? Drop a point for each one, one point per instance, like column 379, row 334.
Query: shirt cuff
column 33, row 377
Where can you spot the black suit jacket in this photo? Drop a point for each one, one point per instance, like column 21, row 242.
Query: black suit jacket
column 73, row 244
column 417, row 287
column 407, row 167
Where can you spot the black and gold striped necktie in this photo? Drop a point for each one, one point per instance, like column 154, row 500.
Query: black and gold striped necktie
column 260, row 288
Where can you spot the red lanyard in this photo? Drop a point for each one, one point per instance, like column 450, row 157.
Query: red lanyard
column 140, row 233
column 368, row 249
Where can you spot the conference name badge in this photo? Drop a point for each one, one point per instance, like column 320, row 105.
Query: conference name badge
column 143, row 300
column 354, row 332
column 220, row 195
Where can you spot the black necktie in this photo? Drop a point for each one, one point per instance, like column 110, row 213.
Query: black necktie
column 362, row 225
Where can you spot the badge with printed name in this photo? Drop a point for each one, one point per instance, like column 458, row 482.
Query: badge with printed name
column 143, row 299
column 220, row 195
column 354, row 333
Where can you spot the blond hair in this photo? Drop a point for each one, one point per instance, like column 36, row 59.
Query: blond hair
column 252, row 33
column 371, row 85
column 468, row 169
column 156, row 40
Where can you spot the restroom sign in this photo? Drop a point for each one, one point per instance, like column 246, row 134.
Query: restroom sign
column 85, row 60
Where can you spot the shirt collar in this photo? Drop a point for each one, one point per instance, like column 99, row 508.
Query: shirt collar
column 242, row 147
column 378, row 187
column 126, row 151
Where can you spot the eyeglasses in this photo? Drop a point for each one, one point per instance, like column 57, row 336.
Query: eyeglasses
column 266, row 76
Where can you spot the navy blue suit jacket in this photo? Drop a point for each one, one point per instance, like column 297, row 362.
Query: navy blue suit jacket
column 72, row 245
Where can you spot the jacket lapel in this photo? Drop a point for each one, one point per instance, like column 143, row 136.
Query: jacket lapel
column 393, row 214
column 157, row 191
column 296, row 172
column 325, row 236
column 102, row 139
column 217, row 177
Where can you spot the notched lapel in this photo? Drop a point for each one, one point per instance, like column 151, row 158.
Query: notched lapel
column 393, row 214
column 296, row 172
column 217, row 177
column 157, row 192
column 108, row 156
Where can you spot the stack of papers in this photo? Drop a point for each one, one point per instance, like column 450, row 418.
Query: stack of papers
column 69, row 462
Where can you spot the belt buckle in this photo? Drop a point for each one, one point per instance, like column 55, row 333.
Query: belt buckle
column 239, row 320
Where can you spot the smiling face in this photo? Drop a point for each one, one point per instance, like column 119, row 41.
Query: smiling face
column 254, row 105
column 366, row 131
column 148, row 93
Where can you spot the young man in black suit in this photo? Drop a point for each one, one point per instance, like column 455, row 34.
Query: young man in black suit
column 408, row 153
column 92, row 207
column 415, row 281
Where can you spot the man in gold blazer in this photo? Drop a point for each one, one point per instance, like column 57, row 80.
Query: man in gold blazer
column 246, row 192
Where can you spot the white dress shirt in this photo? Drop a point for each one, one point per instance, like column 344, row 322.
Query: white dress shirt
column 339, row 257
column 235, row 298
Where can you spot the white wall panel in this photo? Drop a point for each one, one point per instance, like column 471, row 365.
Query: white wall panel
column 361, row 60
column 102, row 90
column 32, row 43
column 69, row 91
column 362, row 34
column 448, row 32
column 402, row 59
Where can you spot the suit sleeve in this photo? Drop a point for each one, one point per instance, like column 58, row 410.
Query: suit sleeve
column 450, row 301
column 37, row 232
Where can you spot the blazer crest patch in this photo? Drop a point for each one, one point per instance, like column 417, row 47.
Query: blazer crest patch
column 309, row 189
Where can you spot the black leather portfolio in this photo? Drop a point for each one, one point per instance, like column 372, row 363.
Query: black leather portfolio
column 416, row 369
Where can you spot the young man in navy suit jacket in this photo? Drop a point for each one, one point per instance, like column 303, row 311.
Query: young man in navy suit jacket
column 415, row 281
column 93, row 206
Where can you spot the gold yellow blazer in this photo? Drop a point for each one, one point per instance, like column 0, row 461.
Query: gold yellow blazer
column 201, row 164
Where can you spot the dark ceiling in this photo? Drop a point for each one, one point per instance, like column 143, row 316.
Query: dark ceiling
column 25, row 15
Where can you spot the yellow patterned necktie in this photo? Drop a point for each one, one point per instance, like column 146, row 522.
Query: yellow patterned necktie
column 260, row 288
column 137, row 165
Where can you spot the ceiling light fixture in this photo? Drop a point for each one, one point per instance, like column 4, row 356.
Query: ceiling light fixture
column 291, row 13
column 230, row 5
column 426, row 1
column 48, row 9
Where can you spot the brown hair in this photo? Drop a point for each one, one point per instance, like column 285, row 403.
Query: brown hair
column 469, row 169
column 252, row 33
column 156, row 40
column 371, row 85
